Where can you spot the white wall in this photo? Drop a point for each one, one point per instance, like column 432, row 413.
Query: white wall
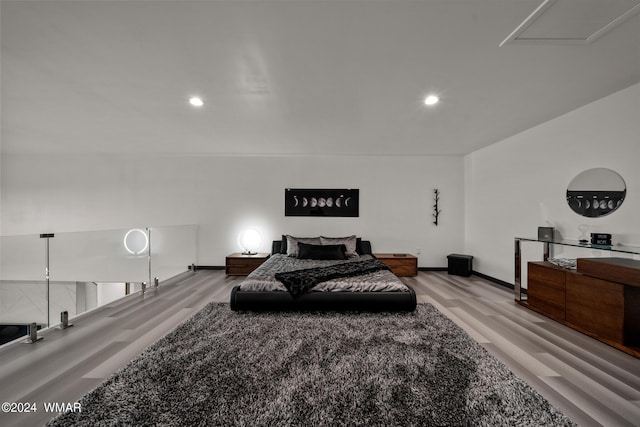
column 224, row 195
column 520, row 183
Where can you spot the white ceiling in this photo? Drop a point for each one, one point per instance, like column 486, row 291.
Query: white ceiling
column 573, row 21
column 293, row 77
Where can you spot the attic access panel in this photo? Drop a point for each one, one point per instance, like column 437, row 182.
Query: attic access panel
column 572, row 21
column 321, row 202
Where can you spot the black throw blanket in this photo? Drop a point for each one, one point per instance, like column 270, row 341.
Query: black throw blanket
column 299, row 282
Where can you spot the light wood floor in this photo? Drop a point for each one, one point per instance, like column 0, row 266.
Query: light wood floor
column 591, row 382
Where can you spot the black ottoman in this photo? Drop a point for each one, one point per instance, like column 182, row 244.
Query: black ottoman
column 460, row 265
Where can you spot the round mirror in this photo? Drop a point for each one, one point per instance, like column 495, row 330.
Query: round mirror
column 596, row 192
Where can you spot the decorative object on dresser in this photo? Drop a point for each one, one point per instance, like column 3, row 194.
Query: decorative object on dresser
column 321, row 202
column 545, row 234
column 400, row 264
column 568, row 263
column 601, row 239
column 238, row 264
column 582, row 228
column 600, row 298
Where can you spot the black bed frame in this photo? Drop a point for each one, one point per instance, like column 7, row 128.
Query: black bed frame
column 323, row 301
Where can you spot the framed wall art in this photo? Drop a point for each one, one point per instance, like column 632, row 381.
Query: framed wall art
column 321, row 202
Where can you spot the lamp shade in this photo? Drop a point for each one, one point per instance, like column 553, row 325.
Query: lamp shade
column 250, row 241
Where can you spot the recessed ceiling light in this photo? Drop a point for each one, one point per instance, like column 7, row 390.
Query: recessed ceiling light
column 196, row 101
column 431, row 100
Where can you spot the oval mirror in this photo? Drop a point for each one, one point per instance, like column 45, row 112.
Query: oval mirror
column 596, row 192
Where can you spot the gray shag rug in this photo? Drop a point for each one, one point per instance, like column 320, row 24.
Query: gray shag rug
column 225, row 368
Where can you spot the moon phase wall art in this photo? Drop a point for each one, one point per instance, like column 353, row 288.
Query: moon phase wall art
column 321, row 202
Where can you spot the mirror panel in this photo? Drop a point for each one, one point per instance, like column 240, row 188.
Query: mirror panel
column 596, row 192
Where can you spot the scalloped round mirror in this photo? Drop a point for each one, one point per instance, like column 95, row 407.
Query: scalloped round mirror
column 596, row 192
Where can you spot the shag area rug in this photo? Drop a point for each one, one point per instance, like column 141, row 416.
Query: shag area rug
column 224, row 368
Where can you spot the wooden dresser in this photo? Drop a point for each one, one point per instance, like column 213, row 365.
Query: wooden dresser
column 600, row 298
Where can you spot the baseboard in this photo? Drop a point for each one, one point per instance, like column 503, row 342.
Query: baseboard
column 475, row 273
column 209, row 267
column 494, row 280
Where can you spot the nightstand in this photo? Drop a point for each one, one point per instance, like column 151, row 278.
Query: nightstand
column 400, row 264
column 241, row 265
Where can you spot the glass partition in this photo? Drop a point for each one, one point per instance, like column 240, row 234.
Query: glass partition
column 23, row 286
column 42, row 276
column 81, row 261
column 173, row 250
column 99, row 256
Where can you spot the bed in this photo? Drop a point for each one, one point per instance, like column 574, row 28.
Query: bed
column 309, row 274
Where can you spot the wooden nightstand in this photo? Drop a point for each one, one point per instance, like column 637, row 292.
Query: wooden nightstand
column 241, row 265
column 400, row 264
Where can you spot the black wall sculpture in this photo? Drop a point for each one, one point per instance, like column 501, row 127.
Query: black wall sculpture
column 436, row 211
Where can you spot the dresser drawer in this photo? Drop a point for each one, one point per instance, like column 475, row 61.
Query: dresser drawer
column 596, row 306
column 546, row 289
